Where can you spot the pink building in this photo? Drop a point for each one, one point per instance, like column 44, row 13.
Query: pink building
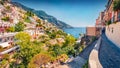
column 91, row 31
column 114, row 16
column 100, row 21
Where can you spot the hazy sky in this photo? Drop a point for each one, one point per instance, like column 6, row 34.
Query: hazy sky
column 74, row 12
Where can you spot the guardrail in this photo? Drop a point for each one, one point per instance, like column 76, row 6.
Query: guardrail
column 93, row 58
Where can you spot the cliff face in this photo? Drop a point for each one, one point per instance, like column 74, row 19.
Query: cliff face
column 41, row 14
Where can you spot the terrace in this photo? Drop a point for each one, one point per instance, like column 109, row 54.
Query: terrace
column 7, row 42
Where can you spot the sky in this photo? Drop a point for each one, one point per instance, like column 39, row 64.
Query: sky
column 77, row 13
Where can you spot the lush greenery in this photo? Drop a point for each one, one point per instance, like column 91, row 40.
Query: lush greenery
column 5, row 18
column 29, row 13
column 27, row 20
column 19, row 26
column 38, row 60
column 57, row 50
column 29, row 50
column 109, row 22
column 1, row 2
column 116, row 5
column 86, row 65
column 8, row 7
column 11, row 29
column 51, row 45
column 38, row 25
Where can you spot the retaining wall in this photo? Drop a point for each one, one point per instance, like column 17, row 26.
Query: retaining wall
column 113, row 33
column 93, row 58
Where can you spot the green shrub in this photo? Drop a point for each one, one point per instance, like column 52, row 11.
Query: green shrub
column 86, row 65
column 93, row 38
column 109, row 22
column 11, row 29
column 7, row 7
column 27, row 20
column 1, row 2
column 116, row 5
column 5, row 19
column 19, row 27
column 29, row 13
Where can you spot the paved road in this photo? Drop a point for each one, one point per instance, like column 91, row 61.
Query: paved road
column 80, row 60
column 109, row 54
column 86, row 52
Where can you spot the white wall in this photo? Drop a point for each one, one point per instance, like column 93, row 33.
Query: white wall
column 113, row 33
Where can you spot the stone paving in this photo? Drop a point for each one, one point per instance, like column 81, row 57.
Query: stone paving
column 109, row 54
column 80, row 60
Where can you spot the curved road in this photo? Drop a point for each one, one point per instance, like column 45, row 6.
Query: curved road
column 82, row 58
column 109, row 54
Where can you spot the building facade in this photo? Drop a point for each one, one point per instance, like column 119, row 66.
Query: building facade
column 110, row 14
column 91, row 31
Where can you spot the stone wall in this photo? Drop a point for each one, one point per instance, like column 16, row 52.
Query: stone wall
column 113, row 33
column 93, row 57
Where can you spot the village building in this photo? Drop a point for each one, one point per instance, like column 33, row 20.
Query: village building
column 91, row 31
column 111, row 15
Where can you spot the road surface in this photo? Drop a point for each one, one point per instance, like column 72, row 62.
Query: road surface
column 80, row 60
column 109, row 54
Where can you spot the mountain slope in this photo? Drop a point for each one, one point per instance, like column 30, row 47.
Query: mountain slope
column 45, row 16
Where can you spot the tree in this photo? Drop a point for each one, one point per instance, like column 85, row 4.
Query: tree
column 62, row 57
column 5, row 18
column 19, row 27
column 69, row 50
column 29, row 13
column 8, row 7
column 27, row 20
column 2, row 2
column 6, row 56
column 43, row 38
column 70, row 40
column 39, row 25
column 109, row 22
column 38, row 21
column 23, row 37
column 11, row 29
column 55, row 50
column 3, row 63
column 38, row 60
column 27, row 48
column 116, row 5
column 5, row 60
column 1, row 48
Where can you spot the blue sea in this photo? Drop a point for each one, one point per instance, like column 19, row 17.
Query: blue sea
column 75, row 31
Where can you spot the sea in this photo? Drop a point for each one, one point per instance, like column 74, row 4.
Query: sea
column 76, row 31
